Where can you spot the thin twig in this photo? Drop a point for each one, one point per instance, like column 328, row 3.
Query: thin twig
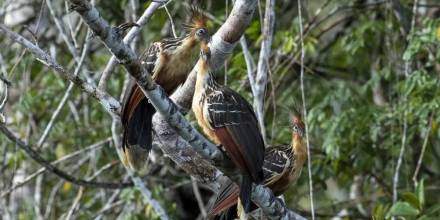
column 309, row 156
column 110, row 104
column 3, row 71
column 66, row 96
column 62, row 159
column 199, row 198
column 35, row 156
column 404, row 100
column 422, row 153
column 173, row 27
column 60, row 26
column 134, row 31
column 250, row 64
column 6, row 83
column 75, row 203
column 146, row 193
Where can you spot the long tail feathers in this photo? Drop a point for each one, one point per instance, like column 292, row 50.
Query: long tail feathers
column 246, row 192
column 137, row 137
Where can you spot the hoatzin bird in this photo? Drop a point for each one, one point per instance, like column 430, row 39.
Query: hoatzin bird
column 229, row 121
column 282, row 166
column 169, row 61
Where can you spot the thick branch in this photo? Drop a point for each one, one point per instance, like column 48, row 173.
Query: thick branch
column 113, row 41
column 221, row 46
column 128, row 39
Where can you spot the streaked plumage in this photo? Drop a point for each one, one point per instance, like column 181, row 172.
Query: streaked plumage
column 228, row 119
column 282, row 167
column 169, row 61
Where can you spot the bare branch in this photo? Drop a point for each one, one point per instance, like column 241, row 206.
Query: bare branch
column 127, row 39
column 263, row 64
column 221, row 46
column 110, row 104
column 35, row 156
column 66, row 94
column 62, row 159
column 304, row 110
column 199, row 199
column 250, row 64
column 422, row 153
column 407, row 71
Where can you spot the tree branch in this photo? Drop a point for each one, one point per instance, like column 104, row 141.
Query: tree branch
column 128, row 39
column 221, row 46
column 263, row 64
column 110, row 104
column 46, row 164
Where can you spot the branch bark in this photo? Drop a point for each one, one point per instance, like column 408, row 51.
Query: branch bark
column 110, row 104
column 263, row 64
column 128, row 39
column 221, row 46
column 46, row 164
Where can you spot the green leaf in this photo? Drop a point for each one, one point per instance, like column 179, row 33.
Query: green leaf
column 288, row 46
column 402, row 209
column 412, row 199
column 380, row 212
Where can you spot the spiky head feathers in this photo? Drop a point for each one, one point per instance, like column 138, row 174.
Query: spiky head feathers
column 197, row 27
column 198, row 18
column 297, row 123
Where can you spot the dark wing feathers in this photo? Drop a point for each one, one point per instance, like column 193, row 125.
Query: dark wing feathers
column 276, row 162
column 136, row 118
column 137, row 112
column 150, row 55
column 134, row 95
column 227, row 197
column 236, row 126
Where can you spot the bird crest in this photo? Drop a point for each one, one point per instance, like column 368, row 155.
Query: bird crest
column 297, row 120
column 198, row 19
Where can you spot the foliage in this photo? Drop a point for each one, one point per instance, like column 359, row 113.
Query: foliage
column 358, row 97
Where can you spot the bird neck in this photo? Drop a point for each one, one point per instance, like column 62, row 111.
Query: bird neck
column 298, row 146
column 205, row 77
column 186, row 46
column 203, row 74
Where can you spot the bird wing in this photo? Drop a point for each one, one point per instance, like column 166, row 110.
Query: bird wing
column 276, row 164
column 149, row 57
column 235, row 125
column 134, row 95
column 137, row 112
column 226, row 197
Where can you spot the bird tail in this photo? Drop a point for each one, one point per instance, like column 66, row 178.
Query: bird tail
column 137, row 136
column 246, row 193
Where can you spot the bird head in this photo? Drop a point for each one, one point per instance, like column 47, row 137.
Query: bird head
column 197, row 28
column 298, row 127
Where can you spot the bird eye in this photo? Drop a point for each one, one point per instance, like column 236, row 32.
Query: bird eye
column 201, row 32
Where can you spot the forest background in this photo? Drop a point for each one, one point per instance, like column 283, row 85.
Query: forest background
column 370, row 81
